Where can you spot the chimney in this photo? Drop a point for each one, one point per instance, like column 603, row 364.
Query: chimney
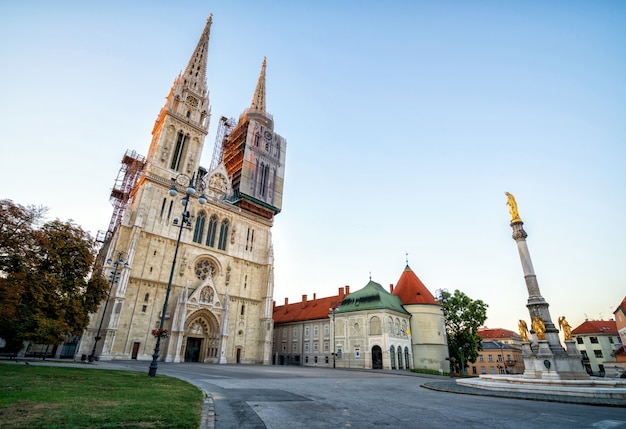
column 314, row 299
column 391, row 288
column 273, row 306
column 304, row 301
column 347, row 290
column 341, row 293
column 286, row 303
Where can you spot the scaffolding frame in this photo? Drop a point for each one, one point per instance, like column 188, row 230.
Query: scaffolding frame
column 128, row 177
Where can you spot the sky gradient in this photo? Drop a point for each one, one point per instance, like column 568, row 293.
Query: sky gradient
column 405, row 124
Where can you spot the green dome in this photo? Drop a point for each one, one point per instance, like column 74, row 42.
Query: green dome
column 372, row 297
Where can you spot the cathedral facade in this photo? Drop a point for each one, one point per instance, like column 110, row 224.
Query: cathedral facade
column 197, row 238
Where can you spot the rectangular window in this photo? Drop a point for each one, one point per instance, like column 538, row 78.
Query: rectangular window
column 598, row 353
column 594, row 340
column 306, row 331
column 295, row 347
column 144, row 308
column 474, row 370
column 295, row 332
column 315, row 346
column 284, row 347
column 611, row 340
column 483, row 370
column 326, row 347
column 490, row 358
column 326, row 330
column 579, row 340
column 315, row 331
column 481, row 358
column 306, row 347
column 492, row 370
column 163, row 207
column 285, row 333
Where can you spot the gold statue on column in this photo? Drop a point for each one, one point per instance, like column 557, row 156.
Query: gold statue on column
column 566, row 328
column 512, row 207
column 523, row 330
column 539, row 327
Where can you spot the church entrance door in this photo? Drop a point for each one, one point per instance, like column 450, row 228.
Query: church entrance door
column 192, row 351
column 377, row 358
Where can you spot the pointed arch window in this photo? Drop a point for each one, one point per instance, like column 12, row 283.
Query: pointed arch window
column 198, row 232
column 178, row 151
column 223, row 235
column 263, row 180
column 210, row 237
column 392, row 356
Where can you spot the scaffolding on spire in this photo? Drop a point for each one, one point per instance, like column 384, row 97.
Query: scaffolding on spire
column 224, row 128
column 130, row 172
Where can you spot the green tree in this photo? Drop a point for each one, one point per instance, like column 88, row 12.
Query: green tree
column 47, row 288
column 463, row 318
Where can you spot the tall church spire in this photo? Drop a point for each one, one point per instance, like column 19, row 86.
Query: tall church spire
column 195, row 73
column 258, row 100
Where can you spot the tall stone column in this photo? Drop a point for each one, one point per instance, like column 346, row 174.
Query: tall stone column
column 546, row 358
column 537, row 305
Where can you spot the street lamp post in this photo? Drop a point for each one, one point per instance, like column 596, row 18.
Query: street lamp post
column 114, row 278
column 332, row 312
column 190, row 190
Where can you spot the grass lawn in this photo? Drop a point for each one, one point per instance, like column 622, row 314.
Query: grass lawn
column 34, row 396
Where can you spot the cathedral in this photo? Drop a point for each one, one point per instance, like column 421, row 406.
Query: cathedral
column 195, row 238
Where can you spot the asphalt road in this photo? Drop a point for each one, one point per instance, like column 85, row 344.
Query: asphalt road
column 277, row 397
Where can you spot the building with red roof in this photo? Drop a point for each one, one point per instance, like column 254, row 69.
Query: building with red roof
column 369, row 328
column 502, row 335
column 596, row 340
column 428, row 334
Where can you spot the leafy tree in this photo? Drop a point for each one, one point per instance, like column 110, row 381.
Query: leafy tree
column 47, row 289
column 463, row 318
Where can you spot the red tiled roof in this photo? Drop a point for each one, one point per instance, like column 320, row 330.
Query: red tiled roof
column 317, row 308
column 596, row 327
column 486, row 333
column 411, row 290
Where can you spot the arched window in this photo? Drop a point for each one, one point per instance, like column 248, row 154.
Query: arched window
column 178, row 151
column 210, row 237
column 243, row 309
column 146, row 297
column 399, row 357
column 198, row 233
column 397, row 327
column 375, row 328
column 406, row 357
column 392, row 355
column 223, row 235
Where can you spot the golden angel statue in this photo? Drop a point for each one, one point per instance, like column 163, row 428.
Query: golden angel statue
column 512, row 207
column 566, row 328
column 523, row 330
column 539, row 327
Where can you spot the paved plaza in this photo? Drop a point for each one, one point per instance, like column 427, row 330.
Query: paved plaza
column 276, row 397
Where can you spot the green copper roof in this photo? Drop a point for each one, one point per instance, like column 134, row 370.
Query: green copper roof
column 372, row 297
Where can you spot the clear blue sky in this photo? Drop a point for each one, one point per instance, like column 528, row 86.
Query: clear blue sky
column 406, row 122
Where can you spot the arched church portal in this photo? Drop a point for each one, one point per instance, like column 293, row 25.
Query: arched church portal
column 201, row 338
